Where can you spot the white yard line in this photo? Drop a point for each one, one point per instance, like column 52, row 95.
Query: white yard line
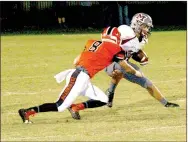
column 28, row 93
column 167, row 66
column 150, row 129
column 28, row 65
column 25, row 77
column 157, row 128
column 116, row 132
column 173, row 80
column 32, row 138
column 181, row 100
column 41, row 76
column 20, row 93
column 54, row 90
column 9, row 113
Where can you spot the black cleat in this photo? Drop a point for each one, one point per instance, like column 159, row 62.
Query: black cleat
column 109, row 104
column 74, row 114
column 171, row 105
column 25, row 116
column 110, row 98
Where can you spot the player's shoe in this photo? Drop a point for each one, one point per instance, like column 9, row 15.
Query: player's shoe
column 24, row 114
column 169, row 104
column 110, row 98
column 74, row 114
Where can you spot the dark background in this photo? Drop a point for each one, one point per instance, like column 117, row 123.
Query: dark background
column 36, row 15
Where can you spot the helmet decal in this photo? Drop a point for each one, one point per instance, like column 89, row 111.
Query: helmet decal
column 141, row 17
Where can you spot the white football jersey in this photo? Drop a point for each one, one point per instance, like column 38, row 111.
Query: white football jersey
column 130, row 43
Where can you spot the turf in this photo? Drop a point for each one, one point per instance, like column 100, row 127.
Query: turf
column 29, row 62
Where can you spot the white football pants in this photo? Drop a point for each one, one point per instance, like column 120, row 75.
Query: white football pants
column 81, row 86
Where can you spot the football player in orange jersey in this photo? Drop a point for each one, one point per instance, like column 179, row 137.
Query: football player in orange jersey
column 96, row 56
column 133, row 39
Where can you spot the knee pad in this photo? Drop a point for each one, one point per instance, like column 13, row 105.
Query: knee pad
column 148, row 83
column 114, row 66
column 142, row 81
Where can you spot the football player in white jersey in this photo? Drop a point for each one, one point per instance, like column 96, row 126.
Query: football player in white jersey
column 140, row 27
column 133, row 37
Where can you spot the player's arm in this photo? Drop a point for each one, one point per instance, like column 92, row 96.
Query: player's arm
column 129, row 69
column 143, row 40
column 120, row 59
column 76, row 60
column 87, row 46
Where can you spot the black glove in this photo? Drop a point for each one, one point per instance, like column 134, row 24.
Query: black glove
column 169, row 104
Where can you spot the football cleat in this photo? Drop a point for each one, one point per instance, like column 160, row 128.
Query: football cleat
column 24, row 114
column 74, row 114
column 110, row 98
column 169, row 104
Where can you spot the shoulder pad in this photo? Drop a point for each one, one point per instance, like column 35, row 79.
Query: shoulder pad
column 126, row 32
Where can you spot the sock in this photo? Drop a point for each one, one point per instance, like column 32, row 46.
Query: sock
column 112, row 87
column 163, row 101
column 36, row 109
column 44, row 108
column 93, row 104
column 77, row 107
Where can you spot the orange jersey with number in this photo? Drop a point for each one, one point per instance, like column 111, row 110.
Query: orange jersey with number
column 97, row 55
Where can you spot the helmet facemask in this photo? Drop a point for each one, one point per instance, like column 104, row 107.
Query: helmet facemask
column 145, row 30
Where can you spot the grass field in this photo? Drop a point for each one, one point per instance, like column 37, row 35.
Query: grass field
column 29, row 62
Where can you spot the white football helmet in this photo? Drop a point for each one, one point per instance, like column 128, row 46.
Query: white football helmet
column 141, row 20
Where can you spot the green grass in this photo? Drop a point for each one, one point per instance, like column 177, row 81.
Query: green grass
column 28, row 64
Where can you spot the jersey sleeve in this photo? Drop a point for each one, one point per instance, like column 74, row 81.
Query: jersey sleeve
column 132, row 46
column 88, row 44
column 119, row 56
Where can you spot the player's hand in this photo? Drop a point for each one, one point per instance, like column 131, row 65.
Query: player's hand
column 117, row 74
column 144, row 40
column 144, row 63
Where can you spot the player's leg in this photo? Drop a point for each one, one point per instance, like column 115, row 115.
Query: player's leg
column 142, row 81
column 115, row 79
column 97, row 99
column 76, row 86
column 155, row 92
column 151, row 88
column 115, row 72
column 77, row 83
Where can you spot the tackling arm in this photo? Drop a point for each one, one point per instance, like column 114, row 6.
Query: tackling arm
column 76, row 60
column 129, row 69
